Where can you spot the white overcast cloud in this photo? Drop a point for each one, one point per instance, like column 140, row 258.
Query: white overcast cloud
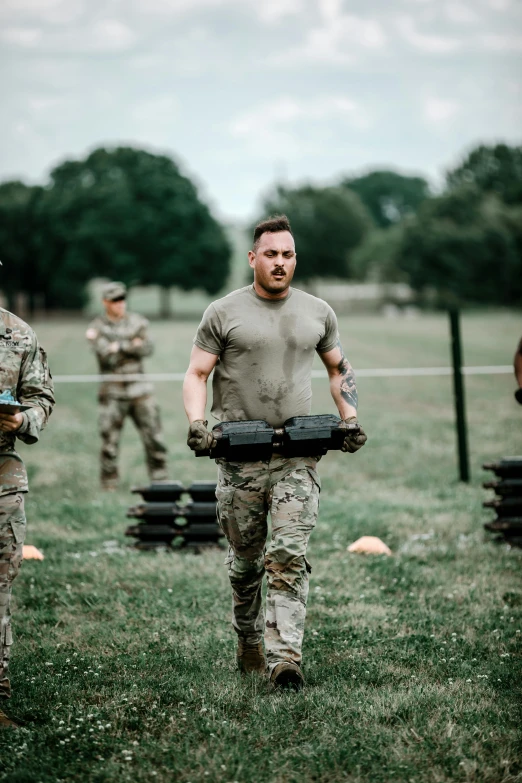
column 439, row 111
column 293, row 127
column 341, row 38
column 426, row 42
column 461, row 13
column 240, row 90
column 22, row 36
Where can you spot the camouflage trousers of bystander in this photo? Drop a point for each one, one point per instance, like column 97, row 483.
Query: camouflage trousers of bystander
column 288, row 489
column 144, row 411
column 12, row 535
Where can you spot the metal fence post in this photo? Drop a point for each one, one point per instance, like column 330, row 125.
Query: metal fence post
column 458, row 391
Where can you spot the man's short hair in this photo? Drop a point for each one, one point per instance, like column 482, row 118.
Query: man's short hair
column 271, row 225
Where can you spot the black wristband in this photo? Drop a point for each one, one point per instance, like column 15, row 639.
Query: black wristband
column 518, row 395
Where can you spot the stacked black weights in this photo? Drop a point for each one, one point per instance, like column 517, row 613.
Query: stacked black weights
column 169, row 518
column 508, row 501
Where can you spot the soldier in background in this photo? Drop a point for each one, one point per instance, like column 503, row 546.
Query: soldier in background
column 25, row 375
column 120, row 341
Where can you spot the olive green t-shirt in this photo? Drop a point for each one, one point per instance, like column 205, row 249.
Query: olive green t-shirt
column 266, row 349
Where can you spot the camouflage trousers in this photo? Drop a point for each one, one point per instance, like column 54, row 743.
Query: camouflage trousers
column 12, row 535
column 144, row 412
column 246, row 493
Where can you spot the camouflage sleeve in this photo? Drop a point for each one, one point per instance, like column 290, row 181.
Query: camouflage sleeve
column 35, row 388
column 144, row 346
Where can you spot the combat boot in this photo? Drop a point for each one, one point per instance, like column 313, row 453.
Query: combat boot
column 5, row 721
column 287, row 675
column 159, row 475
column 250, row 657
column 109, row 483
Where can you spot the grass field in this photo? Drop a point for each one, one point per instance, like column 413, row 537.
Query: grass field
column 123, row 666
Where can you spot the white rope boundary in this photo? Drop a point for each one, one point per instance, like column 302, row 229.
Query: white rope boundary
column 386, row 372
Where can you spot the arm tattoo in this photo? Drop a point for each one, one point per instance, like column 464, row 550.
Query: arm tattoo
column 347, row 387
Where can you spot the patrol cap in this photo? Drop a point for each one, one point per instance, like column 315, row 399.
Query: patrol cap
column 114, row 290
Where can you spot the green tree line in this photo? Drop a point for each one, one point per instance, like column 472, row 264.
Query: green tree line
column 123, row 213
column 128, row 214
column 463, row 244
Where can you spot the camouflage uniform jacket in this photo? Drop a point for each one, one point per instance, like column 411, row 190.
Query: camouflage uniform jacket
column 112, row 343
column 25, row 373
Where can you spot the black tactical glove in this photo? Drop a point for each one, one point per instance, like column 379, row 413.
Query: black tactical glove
column 518, row 396
column 199, row 438
column 353, row 442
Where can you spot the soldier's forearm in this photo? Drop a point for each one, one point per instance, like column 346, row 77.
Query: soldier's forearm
column 146, row 349
column 342, row 381
column 346, row 407
column 343, row 387
column 32, row 424
column 138, row 351
column 194, row 396
column 107, row 353
column 35, row 419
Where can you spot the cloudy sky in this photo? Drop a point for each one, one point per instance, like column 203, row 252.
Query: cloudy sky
column 244, row 92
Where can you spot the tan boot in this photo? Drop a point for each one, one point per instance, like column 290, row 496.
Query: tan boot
column 109, row 486
column 287, row 675
column 5, row 721
column 158, row 475
column 109, row 481
column 250, row 657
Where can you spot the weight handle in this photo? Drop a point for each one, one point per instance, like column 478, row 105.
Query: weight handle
column 279, row 433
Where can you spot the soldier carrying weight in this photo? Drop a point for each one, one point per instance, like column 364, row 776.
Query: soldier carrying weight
column 120, row 341
column 260, row 341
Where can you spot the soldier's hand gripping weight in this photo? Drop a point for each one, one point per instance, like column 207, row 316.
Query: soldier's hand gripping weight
column 355, row 436
column 199, row 438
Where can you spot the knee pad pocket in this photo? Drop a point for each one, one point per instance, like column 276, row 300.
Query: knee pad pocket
column 286, row 575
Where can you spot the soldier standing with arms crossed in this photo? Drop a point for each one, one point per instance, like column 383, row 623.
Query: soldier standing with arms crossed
column 120, row 341
column 25, row 375
column 260, row 341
